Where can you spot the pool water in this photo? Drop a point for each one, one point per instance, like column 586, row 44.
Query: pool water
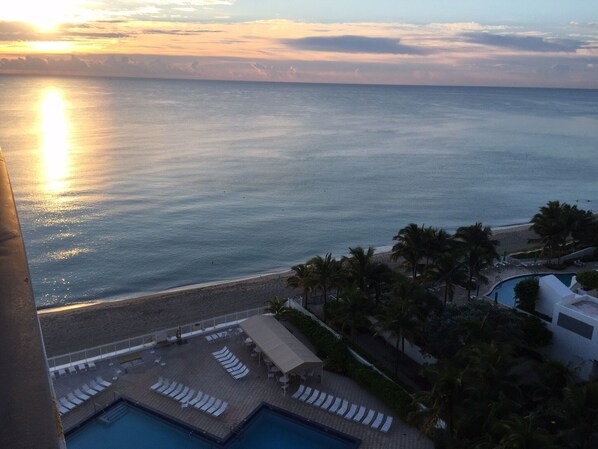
column 270, row 430
column 134, row 427
column 504, row 291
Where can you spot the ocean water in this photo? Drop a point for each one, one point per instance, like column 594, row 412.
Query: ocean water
column 128, row 186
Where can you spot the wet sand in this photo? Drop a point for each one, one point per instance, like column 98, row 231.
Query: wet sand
column 78, row 328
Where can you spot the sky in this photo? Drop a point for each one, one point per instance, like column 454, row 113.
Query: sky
column 527, row 43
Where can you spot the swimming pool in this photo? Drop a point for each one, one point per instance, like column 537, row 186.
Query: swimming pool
column 504, row 292
column 125, row 425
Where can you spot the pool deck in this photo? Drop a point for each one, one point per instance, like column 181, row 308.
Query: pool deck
column 193, row 365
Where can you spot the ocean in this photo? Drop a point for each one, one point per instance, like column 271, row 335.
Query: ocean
column 129, row 186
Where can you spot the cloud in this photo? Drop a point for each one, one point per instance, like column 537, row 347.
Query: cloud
column 353, row 44
column 178, row 32
column 524, row 43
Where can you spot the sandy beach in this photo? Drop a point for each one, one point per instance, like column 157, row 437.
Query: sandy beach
column 77, row 328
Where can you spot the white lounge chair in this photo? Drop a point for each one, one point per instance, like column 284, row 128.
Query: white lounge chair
column 81, row 366
column 91, row 364
column 81, row 395
column 208, row 404
column 320, row 400
column 236, row 369
column 71, row 397
column 97, row 387
column 199, row 404
column 378, row 420
column 158, row 384
column 220, row 352
column 66, row 403
column 62, row 409
column 72, row 370
column 176, row 391
column 334, row 407
column 196, row 399
column 226, row 357
column 61, row 372
column 231, row 364
column 387, row 424
column 313, row 397
column 368, row 419
column 210, row 338
column 327, row 402
column 299, row 392
column 343, row 409
column 220, row 410
column 88, row 390
column 351, row 413
column 173, row 386
column 214, row 407
column 103, row 382
column 181, row 394
column 305, row 394
column 243, row 373
column 360, row 413
column 185, row 399
column 164, row 386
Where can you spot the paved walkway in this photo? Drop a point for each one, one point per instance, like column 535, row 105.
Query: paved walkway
column 193, row 364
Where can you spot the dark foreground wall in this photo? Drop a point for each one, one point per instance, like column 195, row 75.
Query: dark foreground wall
column 28, row 416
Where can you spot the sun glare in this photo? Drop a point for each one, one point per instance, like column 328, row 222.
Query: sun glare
column 45, row 15
column 55, row 147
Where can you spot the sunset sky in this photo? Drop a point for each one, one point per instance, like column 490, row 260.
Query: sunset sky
column 459, row 42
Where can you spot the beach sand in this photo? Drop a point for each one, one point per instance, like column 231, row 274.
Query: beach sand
column 73, row 329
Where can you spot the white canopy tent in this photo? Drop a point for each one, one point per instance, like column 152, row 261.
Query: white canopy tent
column 280, row 346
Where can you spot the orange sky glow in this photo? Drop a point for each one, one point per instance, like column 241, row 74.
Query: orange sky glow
column 197, row 39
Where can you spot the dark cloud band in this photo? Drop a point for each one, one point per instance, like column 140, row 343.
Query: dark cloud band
column 353, row 44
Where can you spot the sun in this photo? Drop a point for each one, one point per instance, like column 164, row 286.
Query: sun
column 45, row 15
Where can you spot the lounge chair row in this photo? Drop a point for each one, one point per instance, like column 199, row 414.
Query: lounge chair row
column 82, row 394
column 81, row 367
column 341, row 407
column 231, row 363
column 187, row 397
column 217, row 337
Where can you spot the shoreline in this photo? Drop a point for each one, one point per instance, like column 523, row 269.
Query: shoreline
column 382, row 253
column 83, row 325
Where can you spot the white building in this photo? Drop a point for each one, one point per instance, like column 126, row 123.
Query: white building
column 574, row 325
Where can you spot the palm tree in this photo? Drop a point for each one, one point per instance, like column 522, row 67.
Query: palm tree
column 278, row 307
column 478, row 249
column 581, row 415
column 442, row 405
column 347, row 312
column 325, row 275
column 449, row 270
column 359, row 267
column 551, row 225
column 400, row 318
column 409, row 246
column 302, row 279
column 523, row 432
column 579, row 223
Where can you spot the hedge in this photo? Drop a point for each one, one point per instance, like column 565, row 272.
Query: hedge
column 338, row 359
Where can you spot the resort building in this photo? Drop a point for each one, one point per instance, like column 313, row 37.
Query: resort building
column 574, row 325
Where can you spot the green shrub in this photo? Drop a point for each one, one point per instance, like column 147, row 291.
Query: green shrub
column 588, row 279
column 337, row 359
column 526, row 293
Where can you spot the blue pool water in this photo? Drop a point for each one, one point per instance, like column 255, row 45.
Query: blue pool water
column 265, row 429
column 505, row 291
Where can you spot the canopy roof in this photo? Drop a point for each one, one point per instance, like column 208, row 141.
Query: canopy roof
column 279, row 345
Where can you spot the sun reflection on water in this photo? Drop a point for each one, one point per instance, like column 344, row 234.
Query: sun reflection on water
column 55, row 142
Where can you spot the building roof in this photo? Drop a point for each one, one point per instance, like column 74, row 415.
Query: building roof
column 279, row 345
